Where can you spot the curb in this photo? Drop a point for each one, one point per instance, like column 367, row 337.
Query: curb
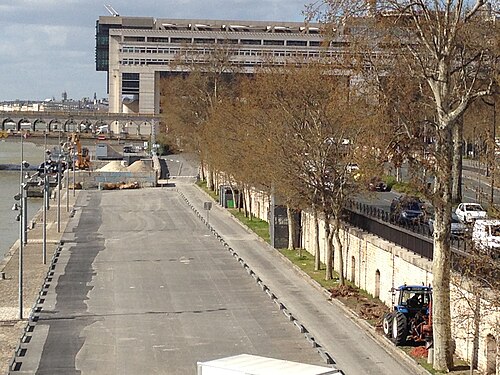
column 384, row 342
column 327, row 358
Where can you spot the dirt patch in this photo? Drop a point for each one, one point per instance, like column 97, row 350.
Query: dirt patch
column 419, row 352
column 366, row 308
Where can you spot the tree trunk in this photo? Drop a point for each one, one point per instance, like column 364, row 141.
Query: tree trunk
column 457, row 161
column 248, row 206
column 338, row 250
column 443, row 356
column 477, row 323
column 235, row 201
column 202, row 172
column 291, row 228
column 210, row 179
column 329, row 250
column 317, row 253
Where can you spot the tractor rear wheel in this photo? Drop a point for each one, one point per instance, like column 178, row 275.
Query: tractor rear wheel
column 399, row 328
column 387, row 324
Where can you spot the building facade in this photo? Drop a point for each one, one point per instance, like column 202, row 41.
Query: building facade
column 136, row 52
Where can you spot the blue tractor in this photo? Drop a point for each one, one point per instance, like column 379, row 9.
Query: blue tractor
column 411, row 316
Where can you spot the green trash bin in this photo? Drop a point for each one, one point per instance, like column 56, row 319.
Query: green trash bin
column 230, row 203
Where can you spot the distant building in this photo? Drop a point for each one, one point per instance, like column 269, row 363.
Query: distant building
column 51, row 105
column 136, row 51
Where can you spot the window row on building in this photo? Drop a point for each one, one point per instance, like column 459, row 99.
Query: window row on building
column 247, row 41
column 234, row 52
column 197, row 61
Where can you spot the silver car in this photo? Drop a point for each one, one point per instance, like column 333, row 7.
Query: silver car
column 458, row 228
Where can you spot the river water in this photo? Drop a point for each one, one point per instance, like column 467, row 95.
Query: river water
column 10, row 153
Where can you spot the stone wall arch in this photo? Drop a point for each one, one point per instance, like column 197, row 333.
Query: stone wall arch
column 353, row 269
column 491, row 352
column 376, row 293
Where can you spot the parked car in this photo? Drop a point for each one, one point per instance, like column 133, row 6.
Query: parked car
column 129, row 149
column 468, row 212
column 376, row 184
column 486, row 235
column 458, row 228
column 407, row 209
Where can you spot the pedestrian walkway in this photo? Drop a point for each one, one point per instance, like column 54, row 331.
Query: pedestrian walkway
column 352, row 346
column 34, row 271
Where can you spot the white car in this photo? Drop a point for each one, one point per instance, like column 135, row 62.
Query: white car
column 468, row 212
column 486, row 235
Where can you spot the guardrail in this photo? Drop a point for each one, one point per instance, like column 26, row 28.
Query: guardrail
column 415, row 238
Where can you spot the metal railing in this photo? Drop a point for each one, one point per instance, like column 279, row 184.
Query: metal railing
column 415, row 237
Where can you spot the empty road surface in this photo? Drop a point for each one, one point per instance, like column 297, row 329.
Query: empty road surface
column 142, row 286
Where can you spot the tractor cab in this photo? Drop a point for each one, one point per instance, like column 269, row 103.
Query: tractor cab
column 411, row 315
column 412, row 299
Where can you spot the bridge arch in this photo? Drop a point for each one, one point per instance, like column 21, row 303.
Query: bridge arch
column 99, row 123
column 40, row 125
column 24, row 124
column 70, row 125
column 85, row 126
column 55, row 124
column 9, row 124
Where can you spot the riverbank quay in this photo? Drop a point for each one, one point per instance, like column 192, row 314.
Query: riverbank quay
column 34, row 272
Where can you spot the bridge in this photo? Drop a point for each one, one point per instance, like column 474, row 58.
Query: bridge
column 77, row 121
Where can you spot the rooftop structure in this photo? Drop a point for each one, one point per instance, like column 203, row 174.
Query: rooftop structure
column 136, row 51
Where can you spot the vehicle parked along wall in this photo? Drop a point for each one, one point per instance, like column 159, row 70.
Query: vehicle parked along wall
column 486, row 236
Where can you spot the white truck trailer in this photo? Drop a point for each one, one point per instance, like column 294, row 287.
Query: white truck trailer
column 246, row 364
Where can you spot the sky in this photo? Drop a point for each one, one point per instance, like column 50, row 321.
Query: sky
column 47, row 46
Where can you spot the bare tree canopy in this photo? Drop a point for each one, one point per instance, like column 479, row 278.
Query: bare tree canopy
column 450, row 49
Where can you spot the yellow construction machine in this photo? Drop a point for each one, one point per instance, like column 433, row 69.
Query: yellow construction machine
column 82, row 153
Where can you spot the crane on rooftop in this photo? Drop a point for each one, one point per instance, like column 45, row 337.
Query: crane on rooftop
column 111, row 10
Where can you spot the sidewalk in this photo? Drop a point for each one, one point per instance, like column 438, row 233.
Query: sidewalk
column 34, row 271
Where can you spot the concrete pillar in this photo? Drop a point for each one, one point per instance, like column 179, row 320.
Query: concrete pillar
column 149, row 95
column 115, row 77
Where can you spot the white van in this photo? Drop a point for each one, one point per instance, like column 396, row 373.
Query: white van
column 486, row 235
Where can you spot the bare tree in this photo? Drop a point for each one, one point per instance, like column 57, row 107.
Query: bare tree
column 313, row 126
column 189, row 98
column 447, row 46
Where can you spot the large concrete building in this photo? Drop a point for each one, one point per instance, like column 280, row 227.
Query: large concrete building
column 136, row 51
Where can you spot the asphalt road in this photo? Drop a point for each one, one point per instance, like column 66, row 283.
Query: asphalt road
column 143, row 287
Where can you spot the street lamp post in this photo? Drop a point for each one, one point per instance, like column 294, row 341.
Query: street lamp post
column 73, row 157
column 45, row 201
column 21, row 217
column 21, row 249
column 59, row 192
column 66, row 180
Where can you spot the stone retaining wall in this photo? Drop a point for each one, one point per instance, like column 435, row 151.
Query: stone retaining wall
column 376, row 266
